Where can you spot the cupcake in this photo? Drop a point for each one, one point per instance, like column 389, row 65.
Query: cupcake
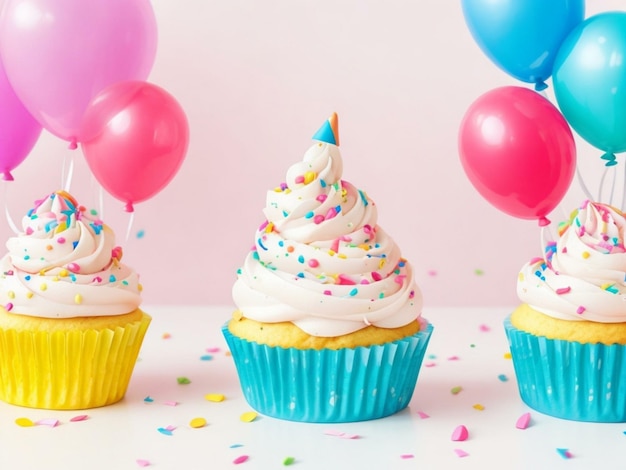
column 328, row 324
column 568, row 337
column 70, row 326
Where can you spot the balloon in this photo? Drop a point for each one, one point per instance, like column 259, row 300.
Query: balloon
column 19, row 131
column 518, row 151
column 522, row 37
column 59, row 54
column 134, row 137
column 590, row 82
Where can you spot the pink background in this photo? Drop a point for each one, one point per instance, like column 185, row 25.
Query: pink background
column 256, row 80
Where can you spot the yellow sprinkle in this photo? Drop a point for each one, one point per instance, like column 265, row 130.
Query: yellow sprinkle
column 197, row 423
column 215, row 397
column 331, row 253
column 64, row 273
column 11, row 294
column 43, row 286
column 139, row 287
column 507, row 355
column 520, row 277
column 309, row 176
column 248, row 416
column 29, row 295
column 478, row 407
column 269, row 228
column 24, row 422
column 78, row 299
column 381, row 263
column 341, row 255
column 278, row 190
column 365, row 247
column 56, row 279
column 585, row 254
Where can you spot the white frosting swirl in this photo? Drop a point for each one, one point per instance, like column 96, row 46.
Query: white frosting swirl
column 321, row 261
column 65, row 264
column 582, row 275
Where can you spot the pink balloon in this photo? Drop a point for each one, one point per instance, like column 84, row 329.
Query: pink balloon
column 518, row 151
column 19, row 131
column 134, row 137
column 59, row 54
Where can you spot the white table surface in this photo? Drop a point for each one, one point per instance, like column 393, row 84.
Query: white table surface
column 461, row 353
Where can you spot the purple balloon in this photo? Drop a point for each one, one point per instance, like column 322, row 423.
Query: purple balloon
column 59, row 54
column 19, row 131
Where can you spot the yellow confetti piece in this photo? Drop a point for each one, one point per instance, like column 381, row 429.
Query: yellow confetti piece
column 64, row 273
column 478, row 407
column 24, row 422
column 215, row 397
column 248, row 416
column 78, row 299
column 507, row 355
column 43, row 286
column 586, row 254
column 29, row 295
column 309, row 176
column 197, row 423
column 520, row 277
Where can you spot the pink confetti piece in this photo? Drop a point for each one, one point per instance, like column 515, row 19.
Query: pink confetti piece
column 213, row 350
column 170, row 427
column 460, row 453
column 79, row 418
column 453, row 358
column 48, row 422
column 407, row 456
column 170, row 403
column 142, row 462
column 422, row 415
column 580, row 310
column 565, row 453
column 240, row 459
column 523, row 421
column 460, row 433
column 484, row 328
column 340, row 434
column 430, row 364
column 563, row 290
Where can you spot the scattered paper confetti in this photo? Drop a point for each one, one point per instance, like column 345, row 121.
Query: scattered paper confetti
column 430, row 364
column 453, row 358
column 431, row 272
column 479, row 272
column 48, row 422
column 206, row 357
column 197, row 423
column 215, row 397
column 523, row 421
column 170, row 403
column 141, row 233
column 484, row 328
column 183, row 380
column 142, row 462
column 288, row 461
column 422, row 415
column 234, row 446
column 79, row 418
column 507, row 355
column 432, row 356
column 24, row 422
column 456, row 390
column 503, row 378
column 407, row 456
column 460, row 453
column 341, row 434
column 213, row 350
column 248, row 416
column 565, row 453
column 460, row 433
column 166, row 336
column 167, row 430
column 240, row 459
column 478, row 407
column 148, row 399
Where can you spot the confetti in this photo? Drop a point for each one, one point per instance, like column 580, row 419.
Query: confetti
column 407, row 456
column 212, row 350
column 79, row 418
column 523, row 421
column 341, row 434
column 503, row 378
column 565, row 453
column 48, row 422
column 214, row 397
column 456, row 390
column 166, row 336
column 170, row 403
column 240, row 459
column 430, row 364
column 142, row 462
column 460, row 433
column 141, row 233
column 422, row 415
column 234, row 446
column 248, row 416
column 460, row 453
column 167, row 431
column 478, row 407
column 484, row 328
column 148, row 399
column 24, row 422
column 479, row 272
column 288, row 461
column 206, row 357
column 197, row 423
column 183, row 381
column 507, row 355
column 453, row 358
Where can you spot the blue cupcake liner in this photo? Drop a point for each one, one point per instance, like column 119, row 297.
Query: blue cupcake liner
column 329, row 386
column 568, row 379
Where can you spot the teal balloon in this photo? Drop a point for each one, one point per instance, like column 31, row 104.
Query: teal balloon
column 589, row 81
column 522, row 37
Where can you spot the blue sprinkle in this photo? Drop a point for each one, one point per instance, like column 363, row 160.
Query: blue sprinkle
column 26, row 258
column 27, row 277
column 141, row 233
column 260, row 243
column 148, row 399
column 206, row 357
column 402, row 264
column 255, row 255
column 73, row 277
column 167, row 432
column 503, row 378
column 301, row 259
column 74, row 244
column 338, row 209
column 322, row 183
column 112, row 278
column 281, row 243
column 300, row 275
column 363, row 198
column 125, row 282
column 354, row 292
column 96, row 228
column 234, row 446
column 309, row 214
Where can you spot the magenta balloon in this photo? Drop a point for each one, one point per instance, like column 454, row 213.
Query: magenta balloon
column 134, row 137
column 59, row 54
column 19, row 131
column 518, row 151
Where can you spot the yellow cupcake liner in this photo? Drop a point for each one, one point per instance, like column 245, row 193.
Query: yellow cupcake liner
column 69, row 370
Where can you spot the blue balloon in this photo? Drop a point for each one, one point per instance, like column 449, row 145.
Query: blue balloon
column 589, row 82
column 522, row 37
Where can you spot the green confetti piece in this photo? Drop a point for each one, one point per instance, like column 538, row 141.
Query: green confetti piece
column 456, row 390
column 183, row 380
column 479, row 272
column 288, row 461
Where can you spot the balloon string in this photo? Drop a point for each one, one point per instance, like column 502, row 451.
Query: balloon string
column 582, row 185
column 101, row 202
column 614, row 172
column 623, row 189
column 70, row 174
column 12, row 225
column 606, row 169
column 130, row 224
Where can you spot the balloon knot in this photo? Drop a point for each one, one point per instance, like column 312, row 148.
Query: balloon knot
column 129, row 207
column 540, row 86
column 610, row 159
column 73, row 145
column 543, row 221
column 7, row 176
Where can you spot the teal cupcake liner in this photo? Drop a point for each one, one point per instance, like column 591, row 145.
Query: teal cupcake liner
column 329, row 386
column 567, row 379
